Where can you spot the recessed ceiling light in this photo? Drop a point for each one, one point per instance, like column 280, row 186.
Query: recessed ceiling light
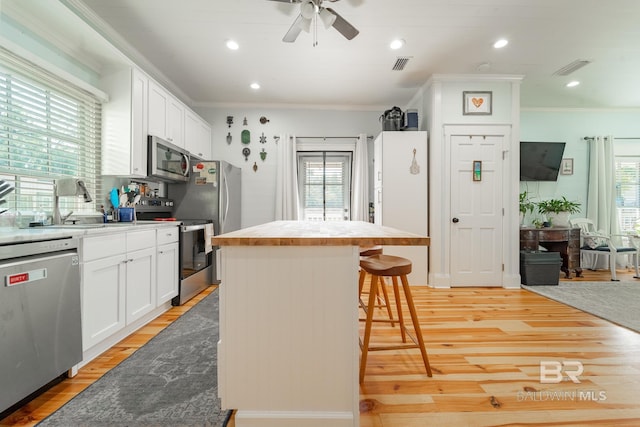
column 255, row 86
column 397, row 44
column 501, row 43
column 232, row 44
column 573, row 83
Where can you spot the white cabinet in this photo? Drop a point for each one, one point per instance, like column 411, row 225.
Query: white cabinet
column 103, row 287
column 197, row 136
column 124, row 127
column 400, row 193
column 118, row 282
column 165, row 115
column 167, row 254
column 140, row 274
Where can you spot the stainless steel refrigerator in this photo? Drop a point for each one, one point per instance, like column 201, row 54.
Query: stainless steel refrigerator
column 213, row 193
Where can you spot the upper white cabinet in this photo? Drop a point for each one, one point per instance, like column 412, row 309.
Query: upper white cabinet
column 124, row 127
column 166, row 115
column 139, row 107
column 197, row 136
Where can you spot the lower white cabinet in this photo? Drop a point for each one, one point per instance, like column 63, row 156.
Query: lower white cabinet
column 167, row 262
column 103, row 299
column 140, row 283
column 126, row 275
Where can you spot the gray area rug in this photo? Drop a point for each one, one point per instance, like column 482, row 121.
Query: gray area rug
column 170, row 381
column 617, row 302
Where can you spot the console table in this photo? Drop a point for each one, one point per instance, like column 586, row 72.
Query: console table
column 555, row 239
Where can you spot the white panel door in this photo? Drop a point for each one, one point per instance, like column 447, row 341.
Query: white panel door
column 476, row 210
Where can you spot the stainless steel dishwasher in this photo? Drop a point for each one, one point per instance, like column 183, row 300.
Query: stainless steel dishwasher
column 40, row 330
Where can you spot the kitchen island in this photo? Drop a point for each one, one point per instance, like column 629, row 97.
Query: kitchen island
column 288, row 353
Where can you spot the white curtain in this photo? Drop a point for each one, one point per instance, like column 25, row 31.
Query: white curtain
column 360, row 191
column 601, row 201
column 601, row 192
column 287, row 200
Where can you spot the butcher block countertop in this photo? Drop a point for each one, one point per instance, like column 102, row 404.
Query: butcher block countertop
column 317, row 233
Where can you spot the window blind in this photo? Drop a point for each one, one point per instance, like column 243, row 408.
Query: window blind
column 325, row 185
column 628, row 191
column 49, row 129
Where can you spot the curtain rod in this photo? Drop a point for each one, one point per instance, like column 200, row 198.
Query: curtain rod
column 277, row 138
column 587, row 138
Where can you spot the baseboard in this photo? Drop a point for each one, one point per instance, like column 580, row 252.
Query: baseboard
column 294, row 419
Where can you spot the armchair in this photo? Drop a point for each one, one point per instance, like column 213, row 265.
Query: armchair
column 595, row 244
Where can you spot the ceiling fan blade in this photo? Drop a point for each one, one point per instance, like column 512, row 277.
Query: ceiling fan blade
column 343, row 27
column 287, row 1
column 294, row 31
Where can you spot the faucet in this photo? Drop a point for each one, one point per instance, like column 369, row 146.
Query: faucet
column 67, row 187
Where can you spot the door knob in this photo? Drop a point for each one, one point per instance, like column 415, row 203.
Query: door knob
column 455, row 220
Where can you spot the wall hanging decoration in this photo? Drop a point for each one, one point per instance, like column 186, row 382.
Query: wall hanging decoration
column 229, row 138
column 245, row 136
column 476, row 103
column 263, row 139
column 567, row 167
column 264, row 120
column 255, row 166
column 263, row 155
column 229, row 120
column 244, row 122
column 245, row 152
column 415, row 167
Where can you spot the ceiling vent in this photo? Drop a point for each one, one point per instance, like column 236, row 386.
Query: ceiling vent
column 570, row 68
column 401, row 62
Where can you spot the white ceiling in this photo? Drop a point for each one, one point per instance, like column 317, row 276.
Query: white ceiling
column 185, row 40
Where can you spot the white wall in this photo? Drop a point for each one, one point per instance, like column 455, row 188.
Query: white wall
column 571, row 126
column 258, row 188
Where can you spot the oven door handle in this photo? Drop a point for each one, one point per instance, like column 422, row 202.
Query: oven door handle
column 187, row 228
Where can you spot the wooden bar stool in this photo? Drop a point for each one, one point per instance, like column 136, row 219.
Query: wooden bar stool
column 380, row 266
column 382, row 300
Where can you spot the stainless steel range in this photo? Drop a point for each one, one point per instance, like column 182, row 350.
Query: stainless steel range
column 197, row 267
column 40, row 329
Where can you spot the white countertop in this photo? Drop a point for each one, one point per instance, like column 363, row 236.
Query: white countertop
column 10, row 235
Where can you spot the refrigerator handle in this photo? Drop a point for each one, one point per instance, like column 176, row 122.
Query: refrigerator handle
column 226, row 190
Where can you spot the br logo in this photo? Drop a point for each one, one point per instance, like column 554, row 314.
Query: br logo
column 551, row 371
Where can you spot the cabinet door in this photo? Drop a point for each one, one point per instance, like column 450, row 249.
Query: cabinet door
column 139, row 88
column 103, row 299
column 167, row 283
column 175, row 122
column 157, row 110
column 140, row 283
column 197, row 136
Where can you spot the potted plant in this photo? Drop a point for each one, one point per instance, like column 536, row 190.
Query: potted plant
column 557, row 211
column 526, row 205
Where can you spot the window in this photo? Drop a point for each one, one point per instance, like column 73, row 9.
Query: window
column 49, row 129
column 325, row 185
column 628, row 192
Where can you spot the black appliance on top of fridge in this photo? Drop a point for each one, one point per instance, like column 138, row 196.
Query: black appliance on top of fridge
column 212, row 193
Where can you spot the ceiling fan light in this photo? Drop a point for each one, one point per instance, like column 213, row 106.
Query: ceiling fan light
column 327, row 17
column 307, row 9
column 305, row 24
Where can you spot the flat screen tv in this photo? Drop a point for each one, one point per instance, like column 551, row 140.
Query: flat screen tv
column 540, row 161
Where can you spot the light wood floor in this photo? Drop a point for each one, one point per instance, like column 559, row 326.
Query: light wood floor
column 485, row 346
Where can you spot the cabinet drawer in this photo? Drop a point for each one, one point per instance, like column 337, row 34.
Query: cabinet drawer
column 137, row 240
column 103, row 246
column 168, row 235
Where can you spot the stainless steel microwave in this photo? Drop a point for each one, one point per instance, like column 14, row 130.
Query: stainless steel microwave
column 167, row 162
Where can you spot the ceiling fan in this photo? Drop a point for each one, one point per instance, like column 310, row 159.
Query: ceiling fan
column 310, row 12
